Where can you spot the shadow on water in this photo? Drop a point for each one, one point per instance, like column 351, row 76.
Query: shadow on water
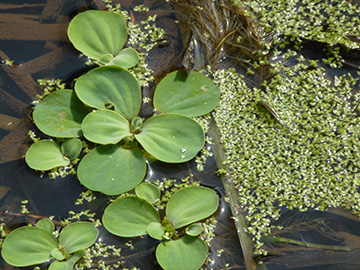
column 34, row 36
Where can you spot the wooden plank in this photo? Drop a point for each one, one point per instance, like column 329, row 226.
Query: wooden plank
column 12, row 146
column 8, row 122
column 33, row 30
column 51, row 11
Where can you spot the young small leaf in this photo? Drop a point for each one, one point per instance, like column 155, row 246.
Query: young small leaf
column 71, row 148
column 78, row 235
column 186, row 253
column 171, row 138
column 129, row 216
column 191, row 204
column 155, row 230
column 148, row 192
column 27, row 246
column 105, row 127
column 110, row 85
column 45, row 155
column 60, row 114
column 127, row 58
column 56, row 253
column 194, row 229
column 69, row 264
column 119, row 169
column 191, row 95
column 46, row 224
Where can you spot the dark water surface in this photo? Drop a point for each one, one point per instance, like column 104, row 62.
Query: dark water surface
column 33, row 34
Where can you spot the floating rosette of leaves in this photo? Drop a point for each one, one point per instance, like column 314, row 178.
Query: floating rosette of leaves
column 134, row 216
column 172, row 136
column 101, row 35
column 28, row 246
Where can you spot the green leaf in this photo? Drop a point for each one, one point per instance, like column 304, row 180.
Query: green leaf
column 78, row 235
column 129, row 216
column 96, row 33
column 45, row 155
column 110, row 87
column 57, row 254
column 71, row 148
column 127, row 58
column 191, row 95
column 191, row 204
column 105, row 127
column 186, row 253
column 155, row 230
column 171, row 138
column 148, row 192
column 46, row 224
column 194, row 229
column 111, row 169
column 60, row 114
column 69, row 264
column 27, row 246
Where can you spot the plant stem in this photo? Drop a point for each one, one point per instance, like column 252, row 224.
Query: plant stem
column 277, row 239
column 237, row 212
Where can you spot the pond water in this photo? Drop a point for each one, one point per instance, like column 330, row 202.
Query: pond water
column 33, row 34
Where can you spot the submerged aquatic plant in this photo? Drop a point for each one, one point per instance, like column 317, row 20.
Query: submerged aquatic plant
column 30, row 245
column 101, row 36
column 170, row 135
column 132, row 216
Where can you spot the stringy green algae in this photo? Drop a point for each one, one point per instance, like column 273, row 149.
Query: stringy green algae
column 310, row 160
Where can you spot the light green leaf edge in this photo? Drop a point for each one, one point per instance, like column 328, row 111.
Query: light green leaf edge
column 110, row 86
column 96, row 33
column 45, row 155
column 105, row 127
column 171, row 138
column 191, row 95
column 129, row 216
column 191, row 204
column 119, row 169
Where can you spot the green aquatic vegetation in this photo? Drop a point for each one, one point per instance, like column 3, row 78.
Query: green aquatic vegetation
column 132, row 216
column 30, row 245
column 101, row 36
column 170, row 135
column 45, row 155
column 309, row 160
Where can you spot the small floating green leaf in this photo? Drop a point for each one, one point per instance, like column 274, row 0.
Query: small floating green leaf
column 69, row 264
column 45, row 155
column 60, row 114
column 96, row 33
column 194, row 229
column 156, row 230
column 71, row 148
column 110, row 86
column 171, row 138
column 148, row 191
column 186, row 253
column 105, row 127
column 129, row 216
column 191, row 95
column 191, row 204
column 46, row 224
column 27, row 246
column 127, row 58
column 78, row 235
column 57, row 254
column 111, row 169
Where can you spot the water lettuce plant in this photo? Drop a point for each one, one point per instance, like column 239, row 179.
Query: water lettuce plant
column 30, row 245
column 132, row 216
column 101, row 36
column 113, row 93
